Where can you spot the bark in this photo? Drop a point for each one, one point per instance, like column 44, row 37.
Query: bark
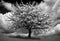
column 29, row 33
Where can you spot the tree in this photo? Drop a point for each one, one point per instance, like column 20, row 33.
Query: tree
column 29, row 17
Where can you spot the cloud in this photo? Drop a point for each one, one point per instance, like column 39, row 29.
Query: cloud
column 9, row 6
column 4, row 24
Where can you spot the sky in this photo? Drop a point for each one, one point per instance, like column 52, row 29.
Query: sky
column 5, row 24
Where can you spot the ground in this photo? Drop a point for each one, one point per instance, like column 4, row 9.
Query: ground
column 3, row 37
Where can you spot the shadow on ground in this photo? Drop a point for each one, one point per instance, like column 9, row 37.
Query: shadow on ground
column 20, row 37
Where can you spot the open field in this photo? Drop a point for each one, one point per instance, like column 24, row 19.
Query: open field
column 3, row 37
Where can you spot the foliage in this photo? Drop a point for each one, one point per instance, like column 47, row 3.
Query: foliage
column 30, row 17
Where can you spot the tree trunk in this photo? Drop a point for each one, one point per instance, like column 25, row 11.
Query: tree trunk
column 29, row 33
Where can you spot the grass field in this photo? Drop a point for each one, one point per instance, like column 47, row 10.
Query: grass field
column 3, row 37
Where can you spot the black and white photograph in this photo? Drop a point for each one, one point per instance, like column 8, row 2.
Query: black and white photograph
column 29, row 20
